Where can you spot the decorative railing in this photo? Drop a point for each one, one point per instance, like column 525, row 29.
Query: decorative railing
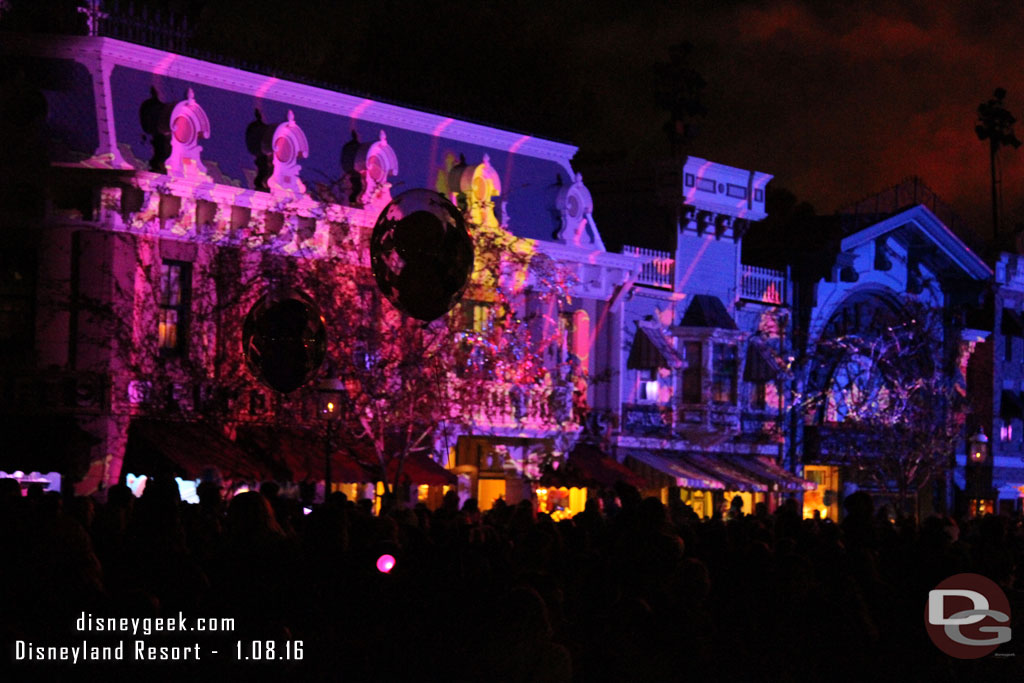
column 658, row 269
column 646, row 419
column 761, row 426
column 143, row 25
column 704, row 418
column 503, row 404
column 763, row 284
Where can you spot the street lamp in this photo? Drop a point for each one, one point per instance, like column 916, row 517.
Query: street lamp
column 979, row 447
column 333, row 395
column 976, row 460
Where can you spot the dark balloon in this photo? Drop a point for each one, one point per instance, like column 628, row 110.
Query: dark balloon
column 421, row 253
column 284, row 340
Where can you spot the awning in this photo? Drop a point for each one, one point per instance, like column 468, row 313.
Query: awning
column 768, row 471
column 420, row 469
column 1010, row 406
column 186, row 449
column 735, row 478
column 298, row 454
column 652, row 349
column 682, row 472
column 706, row 310
column 588, row 466
column 44, row 443
column 762, row 365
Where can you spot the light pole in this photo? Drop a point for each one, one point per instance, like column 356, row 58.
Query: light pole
column 976, row 460
column 995, row 124
column 332, row 397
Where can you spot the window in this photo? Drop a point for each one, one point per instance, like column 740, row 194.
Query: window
column 648, row 388
column 693, row 373
column 572, row 342
column 476, row 319
column 1008, row 347
column 174, row 299
column 476, row 316
column 723, row 374
column 759, row 396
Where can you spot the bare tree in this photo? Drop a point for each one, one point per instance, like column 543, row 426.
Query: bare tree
column 888, row 402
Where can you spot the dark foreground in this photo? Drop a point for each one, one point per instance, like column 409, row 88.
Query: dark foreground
column 633, row 593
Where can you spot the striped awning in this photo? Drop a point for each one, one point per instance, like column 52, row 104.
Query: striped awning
column 735, row 478
column 767, row 471
column 673, row 465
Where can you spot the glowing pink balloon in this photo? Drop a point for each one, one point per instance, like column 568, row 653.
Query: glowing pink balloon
column 385, row 563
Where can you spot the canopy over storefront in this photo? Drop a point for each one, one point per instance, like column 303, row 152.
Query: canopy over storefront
column 589, row 466
column 767, row 471
column 732, row 472
column 187, row 450
column 673, row 465
column 298, row 454
column 735, row 478
column 420, row 469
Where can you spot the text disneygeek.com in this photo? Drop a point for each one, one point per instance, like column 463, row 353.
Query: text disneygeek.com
column 106, row 648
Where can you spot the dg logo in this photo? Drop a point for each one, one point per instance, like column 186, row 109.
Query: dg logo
column 963, row 616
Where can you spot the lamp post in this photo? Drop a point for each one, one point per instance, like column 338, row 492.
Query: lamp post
column 333, row 395
column 976, row 460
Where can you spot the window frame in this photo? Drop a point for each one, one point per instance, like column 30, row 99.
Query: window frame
column 182, row 309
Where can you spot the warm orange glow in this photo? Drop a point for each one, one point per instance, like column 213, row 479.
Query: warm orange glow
column 824, row 498
column 490, row 490
column 561, row 503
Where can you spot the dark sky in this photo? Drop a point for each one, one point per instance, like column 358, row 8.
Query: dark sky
column 837, row 99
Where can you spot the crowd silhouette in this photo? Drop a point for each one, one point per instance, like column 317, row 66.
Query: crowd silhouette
column 628, row 590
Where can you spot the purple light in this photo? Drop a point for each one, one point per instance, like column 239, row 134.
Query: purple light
column 385, row 563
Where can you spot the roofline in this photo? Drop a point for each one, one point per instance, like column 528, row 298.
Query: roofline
column 111, row 52
column 951, row 245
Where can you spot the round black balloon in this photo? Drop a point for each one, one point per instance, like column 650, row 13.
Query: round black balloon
column 284, row 340
column 421, row 253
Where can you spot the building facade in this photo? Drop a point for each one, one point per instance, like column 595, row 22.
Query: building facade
column 701, row 397
column 177, row 193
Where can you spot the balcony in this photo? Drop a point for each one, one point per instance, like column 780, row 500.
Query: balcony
column 658, row 269
column 647, row 419
column 700, row 421
column 492, row 404
column 764, row 285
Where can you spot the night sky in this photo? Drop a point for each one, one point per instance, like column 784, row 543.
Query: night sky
column 838, row 100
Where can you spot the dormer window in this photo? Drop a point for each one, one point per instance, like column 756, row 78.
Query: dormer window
column 710, row 342
column 723, row 374
column 651, row 362
column 648, row 389
column 693, row 375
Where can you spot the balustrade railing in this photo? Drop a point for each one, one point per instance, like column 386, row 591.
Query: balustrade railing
column 763, row 284
column 504, row 404
column 658, row 269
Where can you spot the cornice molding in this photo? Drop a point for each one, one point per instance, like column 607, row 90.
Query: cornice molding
column 196, row 71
